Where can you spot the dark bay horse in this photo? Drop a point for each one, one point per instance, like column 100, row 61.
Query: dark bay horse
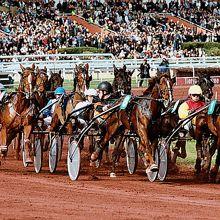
column 55, row 80
column 18, row 112
column 140, row 117
column 122, row 80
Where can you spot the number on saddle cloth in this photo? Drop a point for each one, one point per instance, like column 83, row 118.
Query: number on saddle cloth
column 125, row 102
column 214, row 105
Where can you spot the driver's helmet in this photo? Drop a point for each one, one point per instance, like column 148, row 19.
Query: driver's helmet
column 195, row 89
column 105, row 86
column 91, row 92
column 59, row 91
column 2, row 88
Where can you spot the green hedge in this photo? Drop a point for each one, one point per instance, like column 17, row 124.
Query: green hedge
column 211, row 48
column 75, row 50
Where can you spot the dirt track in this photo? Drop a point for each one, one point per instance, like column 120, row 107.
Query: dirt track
column 26, row 195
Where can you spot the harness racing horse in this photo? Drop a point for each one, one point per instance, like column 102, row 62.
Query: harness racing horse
column 214, row 126
column 122, row 81
column 206, row 84
column 55, row 81
column 67, row 104
column 170, row 120
column 121, row 85
column 202, row 132
column 18, row 112
column 139, row 117
column 40, row 99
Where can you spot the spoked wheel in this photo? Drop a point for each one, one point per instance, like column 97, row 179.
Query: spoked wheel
column 73, row 160
column 131, row 154
column 152, row 176
column 53, row 154
column 38, row 154
column 60, row 147
column 163, row 162
column 23, row 151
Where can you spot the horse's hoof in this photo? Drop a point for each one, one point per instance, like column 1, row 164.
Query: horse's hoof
column 3, row 149
column 154, row 168
column 94, row 156
column 28, row 160
column 112, row 175
column 212, row 176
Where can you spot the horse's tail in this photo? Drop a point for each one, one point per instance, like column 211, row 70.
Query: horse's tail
column 211, row 125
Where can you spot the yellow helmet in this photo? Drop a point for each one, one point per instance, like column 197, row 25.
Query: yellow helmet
column 195, row 89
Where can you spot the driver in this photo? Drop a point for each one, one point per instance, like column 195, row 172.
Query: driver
column 106, row 98
column 48, row 112
column 193, row 103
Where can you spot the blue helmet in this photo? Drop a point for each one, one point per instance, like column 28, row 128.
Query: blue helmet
column 59, row 91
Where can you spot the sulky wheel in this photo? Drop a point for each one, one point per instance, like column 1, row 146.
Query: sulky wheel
column 131, row 154
column 53, row 154
column 152, row 176
column 73, row 159
column 163, row 162
column 38, row 154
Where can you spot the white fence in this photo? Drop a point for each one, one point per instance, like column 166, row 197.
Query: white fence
column 100, row 65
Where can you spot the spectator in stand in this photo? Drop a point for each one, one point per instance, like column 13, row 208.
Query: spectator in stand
column 144, row 72
column 135, row 34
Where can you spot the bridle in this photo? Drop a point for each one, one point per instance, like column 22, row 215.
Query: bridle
column 164, row 91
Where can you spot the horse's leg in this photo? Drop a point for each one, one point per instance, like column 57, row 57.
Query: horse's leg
column 116, row 154
column 110, row 131
column 180, row 145
column 215, row 168
column 27, row 144
column 199, row 157
column 17, row 143
column 3, row 146
column 146, row 149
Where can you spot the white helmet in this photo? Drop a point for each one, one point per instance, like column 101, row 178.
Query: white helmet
column 91, row 92
column 195, row 89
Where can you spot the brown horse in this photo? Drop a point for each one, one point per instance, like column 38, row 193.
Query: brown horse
column 39, row 97
column 18, row 112
column 203, row 132
column 213, row 122
column 140, row 117
column 200, row 132
column 55, row 81
column 122, row 81
column 63, row 109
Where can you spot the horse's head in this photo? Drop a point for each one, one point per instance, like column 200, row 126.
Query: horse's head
column 55, row 81
column 122, row 80
column 165, row 84
column 41, row 80
column 82, row 78
column 206, row 84
column 28, row 79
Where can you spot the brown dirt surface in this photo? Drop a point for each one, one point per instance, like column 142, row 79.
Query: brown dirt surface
column 27, row 195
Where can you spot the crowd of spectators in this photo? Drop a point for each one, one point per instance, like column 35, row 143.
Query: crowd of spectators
column 135, row 32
